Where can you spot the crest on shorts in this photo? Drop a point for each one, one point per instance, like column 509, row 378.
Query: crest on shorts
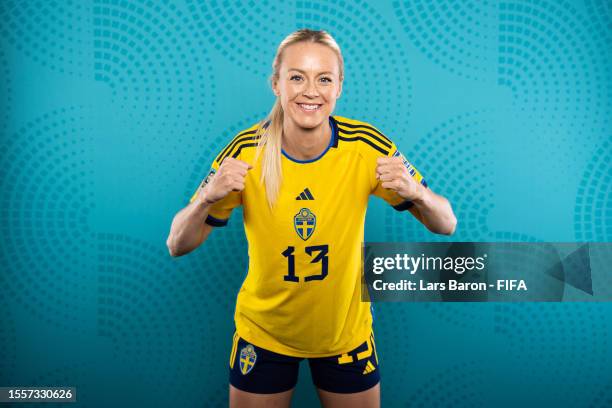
column 248, row 356
column 304, row 222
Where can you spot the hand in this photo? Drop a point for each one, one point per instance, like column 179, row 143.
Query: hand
column 229, row 177
column 395, row 176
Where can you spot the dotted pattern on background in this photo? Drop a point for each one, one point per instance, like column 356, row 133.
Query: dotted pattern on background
column 457, row 35
column 548, row 47
column 131, row 258
column 46, row 198
column 6, row 91
column 568, row 341
column 71, row 374
column 466, row 315
column 600, row 260
column 528, row 264
column 444, row 390
column 509, row 236
column 54, row 34
column 600, row 13
column 440, row 157
column 377, row 73
column 603, row 398
column 593, row 209
column 157, row 66
column 8, row 337
column 245, row 32
column 458, row 314
column 556, row 63
column 157, row 314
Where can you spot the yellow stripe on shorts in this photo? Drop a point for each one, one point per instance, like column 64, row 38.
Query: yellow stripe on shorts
column 234, row 347
column 374, row 347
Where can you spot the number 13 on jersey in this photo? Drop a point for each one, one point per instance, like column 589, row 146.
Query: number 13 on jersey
column 318, row 253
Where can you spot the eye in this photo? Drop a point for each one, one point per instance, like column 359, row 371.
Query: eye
column 326, row 79
column 298, row 77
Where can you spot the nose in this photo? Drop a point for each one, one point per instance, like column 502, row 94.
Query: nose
column 311, row 90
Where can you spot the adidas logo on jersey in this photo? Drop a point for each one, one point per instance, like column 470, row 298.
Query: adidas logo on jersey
column 369, row 368
column 305, row 195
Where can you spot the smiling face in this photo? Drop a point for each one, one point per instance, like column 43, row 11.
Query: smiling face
column 308, row 83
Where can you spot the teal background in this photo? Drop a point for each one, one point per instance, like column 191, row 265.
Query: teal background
column 111, row 113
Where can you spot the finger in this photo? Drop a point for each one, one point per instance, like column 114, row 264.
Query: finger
column 238, row 178
column 390, row 169
column 232, row 179
column 389, row 161
column 394, row 167
column 409, row 179
column 389, row 176
column 226, row 161
column 235, row 167
column 243, row 164
column 390, row 185
column 383, row 160
column 233, row 161
column 238, row 172
column 237, row 186
column 386, row 160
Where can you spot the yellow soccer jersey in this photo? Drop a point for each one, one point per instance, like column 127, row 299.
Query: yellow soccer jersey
column 301, row 296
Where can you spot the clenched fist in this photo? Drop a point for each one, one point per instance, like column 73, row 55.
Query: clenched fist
column 229, row 177
column 395, row 176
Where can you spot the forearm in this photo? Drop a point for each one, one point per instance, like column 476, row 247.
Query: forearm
column 436, row 212
column 188, row 227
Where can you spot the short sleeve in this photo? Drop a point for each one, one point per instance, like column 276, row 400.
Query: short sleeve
column 219, row 212
column 390, row 196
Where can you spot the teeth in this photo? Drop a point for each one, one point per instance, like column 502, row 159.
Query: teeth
column 309, row 107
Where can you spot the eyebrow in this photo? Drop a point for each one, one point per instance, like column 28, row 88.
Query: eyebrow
column 320, row 73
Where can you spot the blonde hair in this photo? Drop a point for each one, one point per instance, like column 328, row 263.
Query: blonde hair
column 271, row 127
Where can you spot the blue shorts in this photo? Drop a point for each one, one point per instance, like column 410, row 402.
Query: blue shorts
column 255, row 369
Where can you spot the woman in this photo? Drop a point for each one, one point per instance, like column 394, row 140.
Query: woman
column 303, row 178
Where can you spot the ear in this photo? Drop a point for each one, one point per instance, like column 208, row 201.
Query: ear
column 275, row 88
column 339, row 90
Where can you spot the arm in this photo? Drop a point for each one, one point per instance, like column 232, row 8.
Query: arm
column 434, row 212
column 431, row 209
column 188, row 230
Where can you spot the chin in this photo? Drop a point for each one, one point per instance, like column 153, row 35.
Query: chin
column 311, row 121
column 308, row 123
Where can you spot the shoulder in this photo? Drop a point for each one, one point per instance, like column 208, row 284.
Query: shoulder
column 243, row 141
column 363, row 137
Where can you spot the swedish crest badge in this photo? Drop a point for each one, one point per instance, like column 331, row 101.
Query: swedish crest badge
column 248, row 356
column 304, row 222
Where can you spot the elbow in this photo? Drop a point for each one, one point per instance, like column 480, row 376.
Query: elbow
column 451, row 223
column 172, row 249
column 450, row 227
column 175, row 249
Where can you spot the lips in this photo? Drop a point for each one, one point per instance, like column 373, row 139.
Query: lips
column 309, row 107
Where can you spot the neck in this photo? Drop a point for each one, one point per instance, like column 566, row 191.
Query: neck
column 305, row 144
